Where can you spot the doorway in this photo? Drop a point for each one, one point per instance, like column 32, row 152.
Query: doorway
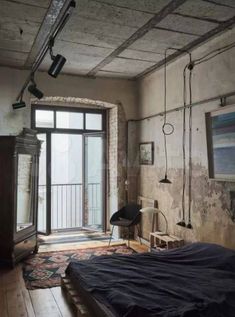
column 71, row 168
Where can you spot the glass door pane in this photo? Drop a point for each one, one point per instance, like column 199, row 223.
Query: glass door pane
column 42, row 185
column 66, row 181
column 94, row 181
column 24, row 217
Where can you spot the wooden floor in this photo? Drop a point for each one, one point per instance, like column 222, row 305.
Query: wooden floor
column 17, row 301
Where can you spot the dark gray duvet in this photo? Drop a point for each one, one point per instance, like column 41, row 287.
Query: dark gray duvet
column 197, row 280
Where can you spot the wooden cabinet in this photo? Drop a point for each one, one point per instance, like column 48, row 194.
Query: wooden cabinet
column 19, row 159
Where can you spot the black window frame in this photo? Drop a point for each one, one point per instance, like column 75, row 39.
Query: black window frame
column 34, row 108
column 83, row 132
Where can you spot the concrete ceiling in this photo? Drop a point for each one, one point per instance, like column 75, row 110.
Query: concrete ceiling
column 109, row 38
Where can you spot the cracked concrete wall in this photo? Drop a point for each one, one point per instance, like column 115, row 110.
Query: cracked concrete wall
column 210, row 198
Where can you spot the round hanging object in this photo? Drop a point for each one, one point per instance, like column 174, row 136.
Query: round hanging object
column 167, row 128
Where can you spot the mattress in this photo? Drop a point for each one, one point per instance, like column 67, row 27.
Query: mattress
column 191, row 281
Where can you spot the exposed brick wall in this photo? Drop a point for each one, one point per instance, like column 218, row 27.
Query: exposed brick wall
column 117, row 160
column 112, row 161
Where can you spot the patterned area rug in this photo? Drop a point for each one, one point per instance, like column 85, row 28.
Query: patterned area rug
column 43, row 270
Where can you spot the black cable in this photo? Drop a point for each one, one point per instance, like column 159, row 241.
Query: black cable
column 46, row 45
column 190, row 66
column 182, row 222
column 214, row 53
column 165, row 123
column 189, row 225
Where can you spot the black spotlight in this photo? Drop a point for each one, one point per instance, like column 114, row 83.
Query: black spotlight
column 34, row 90
column 18, row 104
column 58, row 61
column 57, row 65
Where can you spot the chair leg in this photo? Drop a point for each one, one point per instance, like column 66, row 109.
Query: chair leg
column 138, row 230
column 128, row 236
column 111, row 235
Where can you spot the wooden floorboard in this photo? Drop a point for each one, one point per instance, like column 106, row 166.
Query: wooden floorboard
column 44, row 303
column 17, row 301
column 65, row 309
column 3, row 304
column 28, row 302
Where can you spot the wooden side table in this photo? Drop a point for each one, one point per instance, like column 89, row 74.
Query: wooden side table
column 160, row 241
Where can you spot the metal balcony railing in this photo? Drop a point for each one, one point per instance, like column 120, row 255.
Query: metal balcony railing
column 67, row 206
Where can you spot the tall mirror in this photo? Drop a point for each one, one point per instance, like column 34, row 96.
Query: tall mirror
column 24, row 217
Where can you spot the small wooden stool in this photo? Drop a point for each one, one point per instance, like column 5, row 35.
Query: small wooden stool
column 158, row 239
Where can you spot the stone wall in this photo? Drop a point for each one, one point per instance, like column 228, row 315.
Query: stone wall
column 117, row 173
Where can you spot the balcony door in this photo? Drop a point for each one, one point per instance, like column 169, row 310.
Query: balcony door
column 72, row 169
column 94, row 186
column 66, row 181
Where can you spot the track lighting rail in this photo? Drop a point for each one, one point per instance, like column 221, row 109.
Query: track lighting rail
column 59, row 26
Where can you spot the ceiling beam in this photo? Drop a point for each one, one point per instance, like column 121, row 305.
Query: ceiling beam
column 189, row 47
column 219, row 4
column 157, row 18
column 197, row 18
column 55, row 10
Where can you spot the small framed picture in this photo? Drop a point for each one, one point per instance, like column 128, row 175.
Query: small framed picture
column 146, row 153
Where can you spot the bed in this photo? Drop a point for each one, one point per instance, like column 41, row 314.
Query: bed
column 195, row 280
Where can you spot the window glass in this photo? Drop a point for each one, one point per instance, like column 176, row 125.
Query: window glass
column 44, row 119
column 69, row 120
column 93, row 121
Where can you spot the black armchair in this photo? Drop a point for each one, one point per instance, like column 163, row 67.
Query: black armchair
column 127, row 216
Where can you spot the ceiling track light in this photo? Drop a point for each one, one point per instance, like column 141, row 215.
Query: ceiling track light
column 58, row 61
column 34, row 90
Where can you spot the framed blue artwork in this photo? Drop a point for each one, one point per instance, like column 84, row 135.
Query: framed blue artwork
column 220, row 126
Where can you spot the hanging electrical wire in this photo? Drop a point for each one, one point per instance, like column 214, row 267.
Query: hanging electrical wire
column 166, row 125
column 190, row 167
column 167, row 128
column 190, row 66
column 214, row 53
column 182, row 221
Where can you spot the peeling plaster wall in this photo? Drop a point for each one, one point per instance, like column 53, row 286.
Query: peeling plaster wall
column 103, row 89
column 210, row 198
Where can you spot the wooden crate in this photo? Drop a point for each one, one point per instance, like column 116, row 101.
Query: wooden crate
column 73, row 297
column 159, row 241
